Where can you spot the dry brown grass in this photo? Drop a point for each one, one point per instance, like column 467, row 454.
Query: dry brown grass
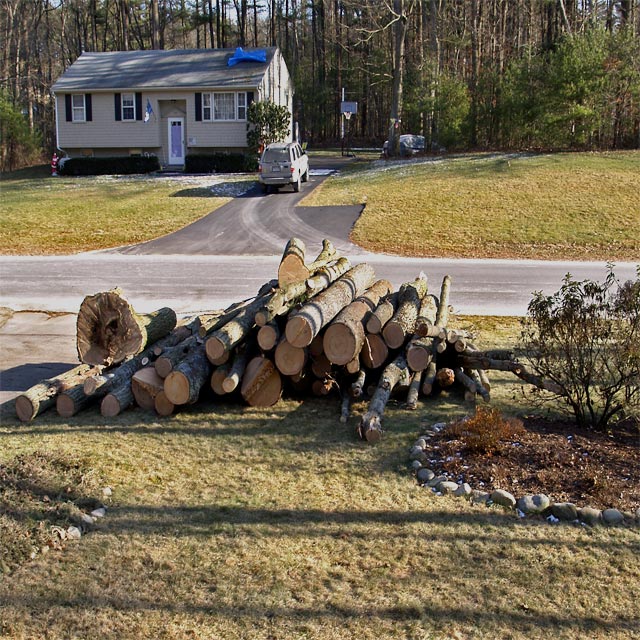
column 228, row 522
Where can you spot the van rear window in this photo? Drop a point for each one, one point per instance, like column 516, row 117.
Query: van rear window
column 276, row 155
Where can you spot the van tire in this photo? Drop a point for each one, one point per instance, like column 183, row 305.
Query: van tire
column 296, row 185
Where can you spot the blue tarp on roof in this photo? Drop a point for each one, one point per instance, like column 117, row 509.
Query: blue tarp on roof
column 259, row 55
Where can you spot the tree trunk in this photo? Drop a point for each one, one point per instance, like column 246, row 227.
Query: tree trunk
column 419, row 353
column 344, row 337
column 235, row 331
column 357, row 386
column 145, row 385
column 414, row 389
column 345, row 410
column 236, row 371
column 268, row 336
column 261, row 383
column 72, row 400
column 429, row 379
column 403, row 323
column 445, row 377
column 162, row 405
column 371, row 424
column 289, row 360
column 41, row 396
column 184, row 383
column 426, row 319
column 117, row 400
column 171, row 357
column 304, row 325
column 292, row 268
column 399, row 35
column 383, row 313
column 374, row 351
column 218, row 377
column 109, row 330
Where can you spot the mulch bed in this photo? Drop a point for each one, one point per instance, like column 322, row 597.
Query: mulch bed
column 567, row 463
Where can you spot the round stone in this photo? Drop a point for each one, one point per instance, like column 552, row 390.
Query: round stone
column 425, row 475
column 416, row 464
column 435, row 481
column 503, row 498
column 612, row 517
column 420, row 442
column 463, row 490
column 533, row 504
column 73, row 533
column 479, row 497
column 447, row 487
column 565, row 511
column 417, row 453
column 590, row 516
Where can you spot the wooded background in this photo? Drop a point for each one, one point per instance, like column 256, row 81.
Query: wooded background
column 545, row 74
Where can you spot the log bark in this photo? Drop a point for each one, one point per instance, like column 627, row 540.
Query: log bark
column 403, row 323
column 292, row 267
column 481, row 390
column 108, row 329
column 305, row 324
column 467, row 383
column 184, row 383
column 397, row 372
column 145, row 385
column 327, row 254
column 353, row 366
column 117, row 400
column 344, row 337
column 41, row 396
column 357, row 386
column 414, row 390
column 426, row 320
column 429, row 379
column 345, row 410
column 382, row 313
column 261, row 383
column 288, row 359
column 442, row 317
column 171, row 357
column 72, row 400
column 235, row 331
column 236, row 371
column 375, row 351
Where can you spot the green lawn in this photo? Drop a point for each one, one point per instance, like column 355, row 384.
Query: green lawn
column 44, row 215
column 561, row 206
column 230, row 522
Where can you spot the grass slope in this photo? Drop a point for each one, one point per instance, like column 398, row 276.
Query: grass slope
column 228, row 522
column 563, row 206
column 44, row 215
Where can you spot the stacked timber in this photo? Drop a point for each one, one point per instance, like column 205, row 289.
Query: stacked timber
column 322, row 327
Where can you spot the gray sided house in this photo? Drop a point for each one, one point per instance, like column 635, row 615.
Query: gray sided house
column 166, row 103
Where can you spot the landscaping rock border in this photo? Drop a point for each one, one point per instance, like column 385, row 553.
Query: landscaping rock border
column 524, row 506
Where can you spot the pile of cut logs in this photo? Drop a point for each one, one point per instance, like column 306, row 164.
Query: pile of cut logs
column 320, row 327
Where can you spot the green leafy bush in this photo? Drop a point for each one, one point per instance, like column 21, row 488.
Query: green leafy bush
column 220, row 162
column 117, row 165
column 586, row 339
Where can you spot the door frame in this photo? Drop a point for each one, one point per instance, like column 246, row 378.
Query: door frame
column 171, row 160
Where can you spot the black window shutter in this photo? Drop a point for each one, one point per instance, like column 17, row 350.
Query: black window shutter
column 198, row 107
column 88, row 111
column 117, row 105
column 138, row 106
column 250, row 97
column 67, row 107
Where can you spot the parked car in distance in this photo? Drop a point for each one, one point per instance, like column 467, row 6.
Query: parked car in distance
column 410, row 145
column 283, row 163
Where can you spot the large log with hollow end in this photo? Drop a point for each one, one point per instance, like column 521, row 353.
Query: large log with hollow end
column 41, row 396
column 403, row 323
column 305, row 324
column 396, row 373
column 261, row 383
column 235, row 331
column 382, row 313
column 344, row 337
column 108, row 329
column 184, row 383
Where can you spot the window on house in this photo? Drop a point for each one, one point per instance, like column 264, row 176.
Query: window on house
column 128, row 106
column 224, row 106
column 206, row 106
column 78, row 107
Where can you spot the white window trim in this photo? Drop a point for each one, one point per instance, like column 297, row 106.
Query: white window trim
column 82, row 110
column 132, row 107
column 210, row 108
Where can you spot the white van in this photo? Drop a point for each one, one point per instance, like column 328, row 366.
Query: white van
column 283, row 163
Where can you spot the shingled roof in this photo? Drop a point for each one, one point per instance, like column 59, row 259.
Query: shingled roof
column 160, row 69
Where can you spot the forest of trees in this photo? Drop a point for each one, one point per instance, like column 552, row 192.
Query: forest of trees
column 510, row 74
